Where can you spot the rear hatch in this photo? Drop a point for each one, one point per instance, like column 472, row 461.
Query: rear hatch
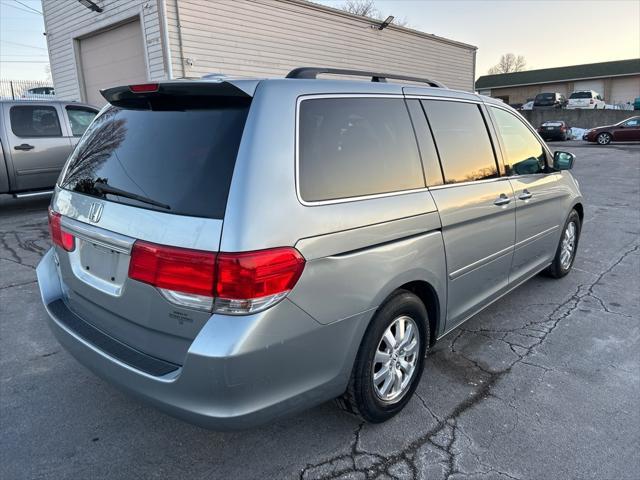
column 151, row 174
column 544, row 100
column 580, row 99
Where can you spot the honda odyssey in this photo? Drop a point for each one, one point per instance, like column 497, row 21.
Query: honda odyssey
column 232, row 251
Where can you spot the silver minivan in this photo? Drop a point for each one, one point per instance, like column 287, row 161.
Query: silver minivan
column 235, row 250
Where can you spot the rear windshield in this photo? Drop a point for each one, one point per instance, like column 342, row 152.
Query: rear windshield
column 545, row 97
column 580, row 95
column 181, row 160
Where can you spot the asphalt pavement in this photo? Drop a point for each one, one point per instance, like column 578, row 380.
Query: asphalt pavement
column 544, row 384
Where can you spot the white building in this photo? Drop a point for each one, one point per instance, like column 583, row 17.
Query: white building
column 134, row 41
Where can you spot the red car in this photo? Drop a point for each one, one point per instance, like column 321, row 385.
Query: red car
column 626, row 131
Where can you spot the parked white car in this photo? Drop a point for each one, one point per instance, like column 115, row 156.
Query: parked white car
column 587, row 99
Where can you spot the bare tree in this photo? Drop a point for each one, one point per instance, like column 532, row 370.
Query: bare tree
column 364, row 8
column 367, row 8
column 509, row 63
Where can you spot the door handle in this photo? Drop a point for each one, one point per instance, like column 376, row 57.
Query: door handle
column 502, row 200
column 525, row 195
column 24, row 146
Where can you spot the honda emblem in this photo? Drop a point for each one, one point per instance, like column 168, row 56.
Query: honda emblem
column 95, row 211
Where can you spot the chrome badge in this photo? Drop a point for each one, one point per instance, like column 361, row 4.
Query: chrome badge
column 95, row 212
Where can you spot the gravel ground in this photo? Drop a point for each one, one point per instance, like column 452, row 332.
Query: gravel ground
column 544, row 384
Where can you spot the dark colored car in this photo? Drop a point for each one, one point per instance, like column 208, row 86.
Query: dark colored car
column 626, row 131
column 636, row 103
column 554, row 130
column 549, row 100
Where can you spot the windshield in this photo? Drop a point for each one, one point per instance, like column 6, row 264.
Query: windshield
column 181, row 159
column 581, row 95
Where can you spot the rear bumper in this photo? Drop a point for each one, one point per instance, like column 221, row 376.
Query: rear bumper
column 239, row 371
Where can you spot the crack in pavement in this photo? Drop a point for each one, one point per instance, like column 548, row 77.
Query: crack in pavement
column 18, row 284
column 384, row 463
column 26, row 241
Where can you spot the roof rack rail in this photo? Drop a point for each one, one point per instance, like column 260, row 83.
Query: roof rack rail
column 313, row 72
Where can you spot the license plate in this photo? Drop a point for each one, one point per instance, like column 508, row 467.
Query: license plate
column 550, row 128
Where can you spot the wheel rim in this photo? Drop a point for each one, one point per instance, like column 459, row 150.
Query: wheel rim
column 603, row 139
column 396, row 358
column 568, row 245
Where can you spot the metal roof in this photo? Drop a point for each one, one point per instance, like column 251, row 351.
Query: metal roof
column 560, row 74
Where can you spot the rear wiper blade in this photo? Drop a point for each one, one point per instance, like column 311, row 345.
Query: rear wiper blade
column 104, row 188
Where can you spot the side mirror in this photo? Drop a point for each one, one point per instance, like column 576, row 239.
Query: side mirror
column 563, row 160
column 528, row 166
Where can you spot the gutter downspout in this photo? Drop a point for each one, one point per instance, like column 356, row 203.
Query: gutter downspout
column 166, row 47
column 473, row 86
column 182, row 59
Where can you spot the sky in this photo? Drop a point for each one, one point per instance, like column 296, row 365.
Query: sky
column 549, row 33
column 23, row 47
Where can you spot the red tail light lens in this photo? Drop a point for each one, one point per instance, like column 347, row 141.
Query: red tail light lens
column 591, row 100
column 58, row 236
column 241, row 283
column 250, row 275
column 173, row 268
column 144, row 88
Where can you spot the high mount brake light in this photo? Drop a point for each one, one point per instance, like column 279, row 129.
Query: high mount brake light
column 58, row 236
column 144, row 87
column 232, row 283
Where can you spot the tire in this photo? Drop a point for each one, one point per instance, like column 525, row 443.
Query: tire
column 364, row 396
column 603, row 138
column 561, row 265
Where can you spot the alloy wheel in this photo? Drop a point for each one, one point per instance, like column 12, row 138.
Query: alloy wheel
column 568, row 245
column 395, row 360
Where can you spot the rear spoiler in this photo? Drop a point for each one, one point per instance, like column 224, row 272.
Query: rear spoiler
column 143, row 95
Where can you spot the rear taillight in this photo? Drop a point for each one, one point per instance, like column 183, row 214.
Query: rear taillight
column 58, row 235
column 591, row 101
column 252, row 281
column 233, row 283
column 173, row 268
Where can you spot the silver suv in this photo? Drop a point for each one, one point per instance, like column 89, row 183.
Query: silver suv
column 233, row 251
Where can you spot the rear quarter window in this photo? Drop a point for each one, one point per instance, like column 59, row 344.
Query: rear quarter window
column 353, row 147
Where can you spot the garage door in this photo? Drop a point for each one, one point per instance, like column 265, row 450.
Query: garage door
column 110, row 58
column 624, row 89
column 596, row 85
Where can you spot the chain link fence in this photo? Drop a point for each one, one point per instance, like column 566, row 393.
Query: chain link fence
column 26, row 89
